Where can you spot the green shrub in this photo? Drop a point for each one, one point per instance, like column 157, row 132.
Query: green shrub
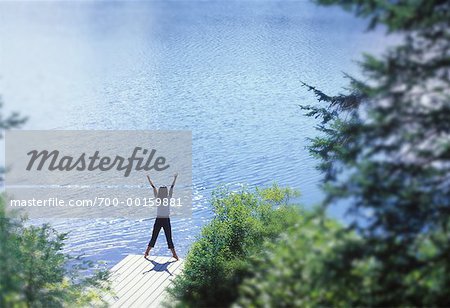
column 321, row 264
column 220, row 259
column 297, row 269
column 34, row 272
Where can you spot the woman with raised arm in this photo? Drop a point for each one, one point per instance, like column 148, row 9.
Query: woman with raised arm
column 162, row 216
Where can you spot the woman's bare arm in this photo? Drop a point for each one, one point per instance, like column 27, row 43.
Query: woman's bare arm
column 155, row 192
column 173, row 184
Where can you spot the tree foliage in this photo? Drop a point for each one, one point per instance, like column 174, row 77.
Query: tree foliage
column 220, row 259
column 384, row 148
column 293, row 272
column 35, row 272
column 13, row 120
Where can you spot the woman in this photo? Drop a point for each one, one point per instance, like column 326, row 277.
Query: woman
column 162, row 217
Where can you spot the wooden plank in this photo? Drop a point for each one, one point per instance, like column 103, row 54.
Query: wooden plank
column 124, row 261
column 132, row 285
column 156, row 298
column 119, row 275
column 122, row 284
column 120, row 267
column 138, row 282
column 157, row 285
column 116, row 270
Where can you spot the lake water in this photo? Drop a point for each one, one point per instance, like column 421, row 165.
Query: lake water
column 230, row 72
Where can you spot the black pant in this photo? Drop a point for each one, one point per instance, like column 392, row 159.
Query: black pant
column 164, row 223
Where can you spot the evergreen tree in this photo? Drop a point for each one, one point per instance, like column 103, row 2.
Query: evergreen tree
column 34, row 271
column 13, row 120
column 384, row 148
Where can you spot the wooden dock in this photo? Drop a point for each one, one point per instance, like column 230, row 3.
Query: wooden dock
column 139, row 282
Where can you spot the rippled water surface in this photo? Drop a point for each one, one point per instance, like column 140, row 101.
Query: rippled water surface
column 228, row 71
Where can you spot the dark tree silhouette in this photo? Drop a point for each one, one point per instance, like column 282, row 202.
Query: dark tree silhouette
column 384, row 147
column 13, row 120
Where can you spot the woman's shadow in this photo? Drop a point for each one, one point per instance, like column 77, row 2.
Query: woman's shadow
column 159, row 267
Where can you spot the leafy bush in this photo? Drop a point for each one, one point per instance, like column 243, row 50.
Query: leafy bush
column 260, row 252
column 34, row 272
column 220, row 259
column 293, row 271
column 322, row 264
